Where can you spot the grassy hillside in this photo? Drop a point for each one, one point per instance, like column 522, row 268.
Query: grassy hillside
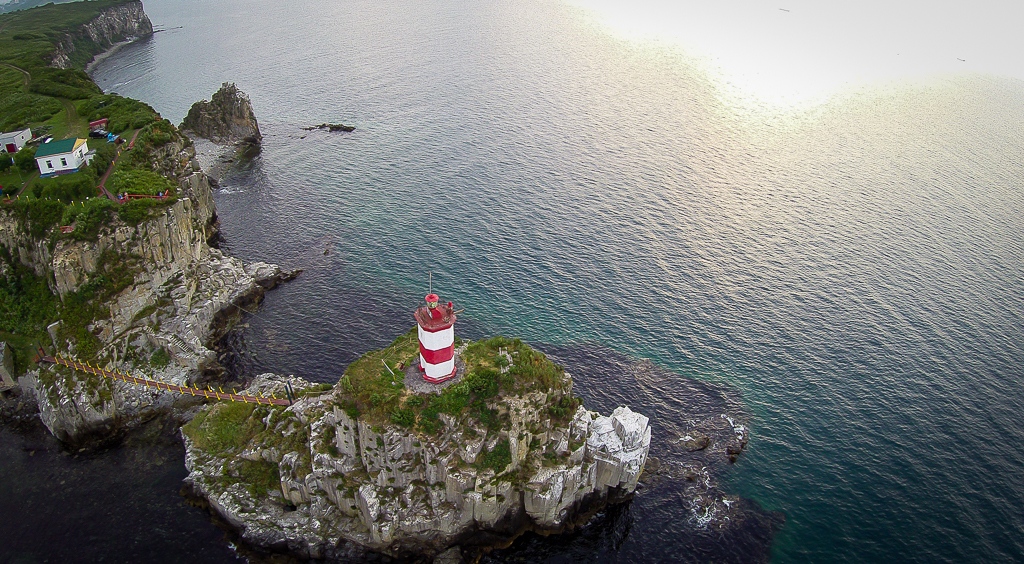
column 56, row 100
column 60, row 103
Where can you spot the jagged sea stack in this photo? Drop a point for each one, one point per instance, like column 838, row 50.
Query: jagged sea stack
column 226, row 118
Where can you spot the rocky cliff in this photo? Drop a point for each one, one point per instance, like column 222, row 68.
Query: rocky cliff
column 169, row 293
column 322, row 479
column 226, row 117
column 113, row 25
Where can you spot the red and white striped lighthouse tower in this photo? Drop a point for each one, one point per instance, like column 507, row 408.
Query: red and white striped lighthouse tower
column 436, row 329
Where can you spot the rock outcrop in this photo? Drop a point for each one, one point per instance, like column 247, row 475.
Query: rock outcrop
column 175, row 303
column 226, row 117
column 113, row 25
column 318, row 481
column 332, row 127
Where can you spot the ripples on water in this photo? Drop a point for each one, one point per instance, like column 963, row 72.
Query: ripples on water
column 854, row 268
column 115, row 506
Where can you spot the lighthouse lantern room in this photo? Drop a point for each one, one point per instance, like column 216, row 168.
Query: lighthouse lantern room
column 436, row 330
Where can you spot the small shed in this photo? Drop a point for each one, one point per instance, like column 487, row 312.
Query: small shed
column 61, row 157
column 13, row 141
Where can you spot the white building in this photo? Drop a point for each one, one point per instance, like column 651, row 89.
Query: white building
column 13, row 142
column 61, row 157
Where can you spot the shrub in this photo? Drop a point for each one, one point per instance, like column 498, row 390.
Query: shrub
column 499, row 457
column 135, row 211
column 134, row 181
column 483, row 382
column 430, row 421
column 72, row 84
column 160, row 358
column 37, row 216
column 564, row 407
column 122, row 113
column 26, row 304
column 487, row 416
column 101, row 161
column 90, row 216
column 405, row 417
column 259, row 476
column 453, row 400
column 26, row 159
column 66, row 187
column 20, row 109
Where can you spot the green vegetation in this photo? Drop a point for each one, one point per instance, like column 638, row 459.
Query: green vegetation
column 224, row 427
column 373, row 388
column 259, row 476
column 368, row 386
column 66, row 187
column 369, row 390
column 26, row 308
column 72, row 84
column 25, row 159
column 498, row 458
column 31, row 92
column 87, row 217
column 134, row 181
column 82, row 307
column 123, row 114
column 37, row 217
column 160, row 358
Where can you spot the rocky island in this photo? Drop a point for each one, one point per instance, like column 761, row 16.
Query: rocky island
column 369, row 464
column 226, row 117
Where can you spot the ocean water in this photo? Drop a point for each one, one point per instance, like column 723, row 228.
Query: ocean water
column 849, row 265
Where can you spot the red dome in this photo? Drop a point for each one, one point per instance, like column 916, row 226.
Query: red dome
column 432, row 298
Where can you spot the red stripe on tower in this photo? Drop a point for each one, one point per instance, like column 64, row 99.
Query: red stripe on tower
column 436, row 330
column 438, row 356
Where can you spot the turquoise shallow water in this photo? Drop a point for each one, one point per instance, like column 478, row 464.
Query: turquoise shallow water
column 853, row 268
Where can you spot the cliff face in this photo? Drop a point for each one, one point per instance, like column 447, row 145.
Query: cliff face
column 227, row 117
column 179, row 289
column 316, row 481
column 113, row 25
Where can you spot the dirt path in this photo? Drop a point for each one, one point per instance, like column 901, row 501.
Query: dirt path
column 28, row 77
column 75, row 127
column 31, row 177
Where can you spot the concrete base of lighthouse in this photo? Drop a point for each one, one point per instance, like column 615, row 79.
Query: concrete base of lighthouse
column 414, row 381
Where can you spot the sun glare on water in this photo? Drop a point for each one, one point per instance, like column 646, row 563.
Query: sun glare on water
column 796, row 51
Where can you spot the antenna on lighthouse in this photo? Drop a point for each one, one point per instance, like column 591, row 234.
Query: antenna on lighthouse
column 430, row 282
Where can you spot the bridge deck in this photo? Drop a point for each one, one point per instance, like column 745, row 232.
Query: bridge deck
column 75, row 365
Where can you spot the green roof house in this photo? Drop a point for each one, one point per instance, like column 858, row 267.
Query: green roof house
column 62, row 157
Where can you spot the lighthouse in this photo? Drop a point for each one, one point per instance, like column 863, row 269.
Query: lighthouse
column 436, row 329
